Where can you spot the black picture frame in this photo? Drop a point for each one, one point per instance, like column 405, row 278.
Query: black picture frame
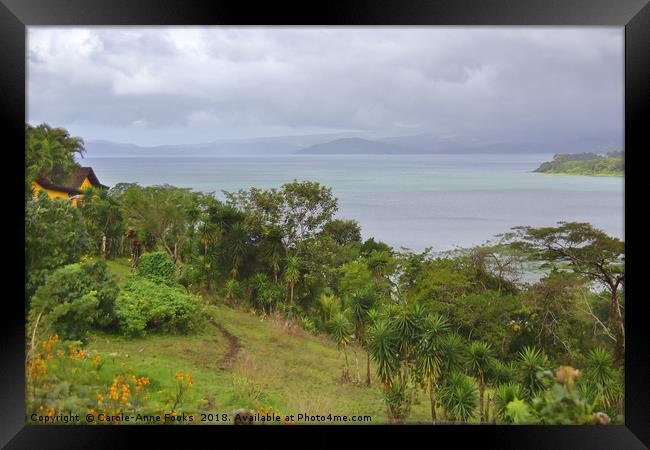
column 634, row 15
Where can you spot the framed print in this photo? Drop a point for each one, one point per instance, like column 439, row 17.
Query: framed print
column 412, row 215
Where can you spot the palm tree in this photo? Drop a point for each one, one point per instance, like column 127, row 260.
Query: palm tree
column 360, row 303
column 504, row 394
column 379, row 263
column 480, row 359
column 232, row 289
column 329, row 305
column 599, row 368
column 341, row 330
column 429, row 358
column 383, row 347
column 407, row 323
column 452, row 353
column 234, row 247
column 292, row 273
column 274, row 249
column 532, row 364
column 452, row 350
column 502, row 373
column 601, row 375
column 460, row 397
column 208, row 234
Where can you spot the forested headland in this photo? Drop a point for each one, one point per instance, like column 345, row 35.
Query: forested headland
column 591, row 164
column 163, row 300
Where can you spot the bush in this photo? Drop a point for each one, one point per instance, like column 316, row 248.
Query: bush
column 157, row 266
column 145, row 305
column 75, row 298
column 398, row 403
column 55, row 235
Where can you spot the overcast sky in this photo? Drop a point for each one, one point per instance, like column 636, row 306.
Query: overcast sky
column 158, row 85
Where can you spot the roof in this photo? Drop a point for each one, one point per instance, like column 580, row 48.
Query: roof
column 81, row 174
column 76, row 180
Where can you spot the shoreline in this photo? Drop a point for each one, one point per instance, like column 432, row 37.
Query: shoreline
column 568, row 174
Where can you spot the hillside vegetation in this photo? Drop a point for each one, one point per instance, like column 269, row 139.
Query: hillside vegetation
column 591, row 164
column 160, row 304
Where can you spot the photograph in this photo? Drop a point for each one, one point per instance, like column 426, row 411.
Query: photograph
column 348, row 225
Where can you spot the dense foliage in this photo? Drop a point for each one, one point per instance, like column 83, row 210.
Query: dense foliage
column 612, row 164
column 144, row 306
column 527, row 329
column 55, row 235
column 73, row 299
column 157, row 266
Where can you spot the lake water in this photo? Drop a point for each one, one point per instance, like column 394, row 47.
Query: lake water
column 415, row 201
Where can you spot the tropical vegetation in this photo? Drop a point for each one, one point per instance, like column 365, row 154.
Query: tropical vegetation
column 148, row 299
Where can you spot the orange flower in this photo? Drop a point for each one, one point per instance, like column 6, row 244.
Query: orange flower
column 112, row 393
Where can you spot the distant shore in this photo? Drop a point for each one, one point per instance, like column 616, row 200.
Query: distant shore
column 585, row 164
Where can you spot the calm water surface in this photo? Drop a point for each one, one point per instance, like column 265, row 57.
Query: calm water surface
column 415, row 201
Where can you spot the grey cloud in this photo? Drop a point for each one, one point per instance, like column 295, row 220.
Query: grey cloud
column 182, row 85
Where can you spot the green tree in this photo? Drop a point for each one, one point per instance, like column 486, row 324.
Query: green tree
column 163, row 212
column 329, row 305
column 103, row 215
column 299, row 208
column 429, row 358
column 480, row 359
column 292, row 274
column 74, row 298
column 234, row 248
column 50, row 153
column 355, row 277
column 533, row 365
column 343, row 232
column 460, row 397
column 360, row 304
column 55, row 235
column 341, row 331
column 274, row 249
column 589, row 252
column 383, row 347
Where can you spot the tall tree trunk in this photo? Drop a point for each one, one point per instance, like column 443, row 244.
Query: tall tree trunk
column 356, row 361
column 616, row 321
column 346, row 370
column 432, row 398
column 367, row 368
column 104, row 246
column 481, row 389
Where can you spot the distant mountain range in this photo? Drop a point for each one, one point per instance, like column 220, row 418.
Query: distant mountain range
column 348, row 143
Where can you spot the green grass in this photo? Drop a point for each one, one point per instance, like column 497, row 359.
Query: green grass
column 288, row 369
column 296, row 373
column 119, row 267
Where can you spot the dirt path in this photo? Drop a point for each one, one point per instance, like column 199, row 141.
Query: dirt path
column 233, row 343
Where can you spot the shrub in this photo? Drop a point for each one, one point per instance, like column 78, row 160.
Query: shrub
column 157, row 266
column 145, row 305
column 460, row 397
column 75, row 298
column 55, row 235
column 503, row 395
column 308, row 324
column 398, row 403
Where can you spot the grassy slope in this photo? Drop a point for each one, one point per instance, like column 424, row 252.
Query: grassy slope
column 294, row 372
